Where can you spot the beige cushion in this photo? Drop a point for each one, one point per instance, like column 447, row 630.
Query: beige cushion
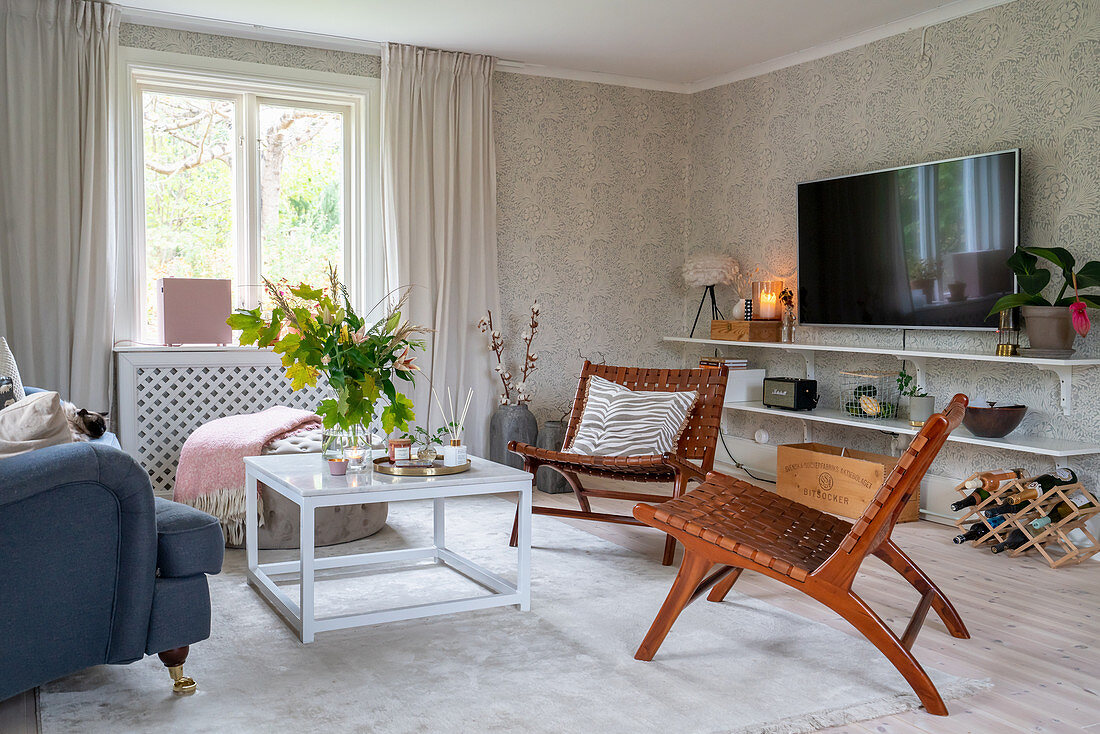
column 35, row 422
column 305, row 441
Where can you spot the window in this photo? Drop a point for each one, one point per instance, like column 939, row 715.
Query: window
column 243, row 177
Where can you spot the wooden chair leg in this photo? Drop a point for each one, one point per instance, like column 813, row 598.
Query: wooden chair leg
column 514, row 539
column 692, row 570
column 531, row 467
column 574, row 481
column 871, row 626
column 897, row 560
column 718, row 593
column 670, row 543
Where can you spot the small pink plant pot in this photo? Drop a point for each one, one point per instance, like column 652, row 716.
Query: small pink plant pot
column 337, row 467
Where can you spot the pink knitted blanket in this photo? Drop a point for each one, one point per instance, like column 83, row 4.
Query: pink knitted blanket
column 210, row 473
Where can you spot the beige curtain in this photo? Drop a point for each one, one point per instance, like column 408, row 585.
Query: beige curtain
column 56, row 226
column 439, row 211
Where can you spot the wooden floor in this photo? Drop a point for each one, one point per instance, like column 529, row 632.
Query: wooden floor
column 1035, row 632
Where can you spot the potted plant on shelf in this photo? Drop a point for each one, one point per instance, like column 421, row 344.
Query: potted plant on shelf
column 317, row 332
column 921, row 404
column 1051, row 325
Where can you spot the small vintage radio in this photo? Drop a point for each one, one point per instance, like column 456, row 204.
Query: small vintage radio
column 792, row 393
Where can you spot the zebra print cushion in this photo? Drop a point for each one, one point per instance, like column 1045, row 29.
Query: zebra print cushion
column 620, row 422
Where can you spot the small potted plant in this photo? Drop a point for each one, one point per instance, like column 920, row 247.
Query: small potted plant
column 921, row 404
column 1051, row 324
column 430, row 441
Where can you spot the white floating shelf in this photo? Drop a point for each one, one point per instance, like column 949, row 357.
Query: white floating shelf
column 899, row 353
column 1053, row 447
column 1061, row 367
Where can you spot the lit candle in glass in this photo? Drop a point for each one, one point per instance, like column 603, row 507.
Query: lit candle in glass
column 765, row 296
column 355, row 456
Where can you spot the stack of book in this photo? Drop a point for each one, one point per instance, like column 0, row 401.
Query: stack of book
column 732, row 364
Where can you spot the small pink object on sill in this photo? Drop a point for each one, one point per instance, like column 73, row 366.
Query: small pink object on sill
column 194, row 310
column 337, row 467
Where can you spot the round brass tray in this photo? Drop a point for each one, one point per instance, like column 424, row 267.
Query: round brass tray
column 383, row 466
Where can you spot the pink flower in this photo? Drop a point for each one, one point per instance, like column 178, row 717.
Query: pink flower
column 1080, row 318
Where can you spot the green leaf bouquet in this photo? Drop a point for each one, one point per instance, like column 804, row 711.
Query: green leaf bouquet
column 316, row 331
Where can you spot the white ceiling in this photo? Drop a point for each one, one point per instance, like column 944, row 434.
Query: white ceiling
column 671, row 42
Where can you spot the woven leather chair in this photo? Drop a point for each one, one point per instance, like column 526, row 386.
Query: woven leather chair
column 697, row 443
column 740, row 526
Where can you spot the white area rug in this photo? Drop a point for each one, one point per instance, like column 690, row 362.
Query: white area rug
column 565, row 666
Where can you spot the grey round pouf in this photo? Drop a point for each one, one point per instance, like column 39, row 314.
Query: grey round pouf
column 332, row 525
column 551, row 436
column 511, row 423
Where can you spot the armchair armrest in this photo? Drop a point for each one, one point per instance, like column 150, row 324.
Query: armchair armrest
column 683, row 466
column 78, row 538
column 189, row 541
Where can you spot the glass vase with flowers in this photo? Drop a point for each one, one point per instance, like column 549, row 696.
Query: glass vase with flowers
column 318, row 332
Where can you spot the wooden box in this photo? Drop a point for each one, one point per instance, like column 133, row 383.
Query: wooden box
column 834, row 480
column 745, row 331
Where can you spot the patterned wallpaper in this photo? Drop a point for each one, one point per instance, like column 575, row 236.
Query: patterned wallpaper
column 1018, row 75
column 244, row 49
column 602, row 190
column 591, row 209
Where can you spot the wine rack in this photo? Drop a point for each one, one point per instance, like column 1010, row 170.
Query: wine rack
column 1055, row 536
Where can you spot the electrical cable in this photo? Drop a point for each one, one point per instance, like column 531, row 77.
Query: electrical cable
column 738, row 464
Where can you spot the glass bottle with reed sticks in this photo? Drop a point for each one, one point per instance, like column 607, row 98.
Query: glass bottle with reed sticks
column 455, row 453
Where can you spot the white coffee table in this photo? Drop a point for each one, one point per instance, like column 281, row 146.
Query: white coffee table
column 305, row 480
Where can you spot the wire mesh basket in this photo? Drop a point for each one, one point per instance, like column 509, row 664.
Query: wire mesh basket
column 870, row 395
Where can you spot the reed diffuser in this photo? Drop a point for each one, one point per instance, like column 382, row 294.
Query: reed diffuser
column 455, row 453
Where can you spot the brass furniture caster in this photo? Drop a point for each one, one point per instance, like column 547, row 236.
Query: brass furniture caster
column 182, row 685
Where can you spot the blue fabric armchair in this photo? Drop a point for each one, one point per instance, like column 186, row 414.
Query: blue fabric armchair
column 94, row 569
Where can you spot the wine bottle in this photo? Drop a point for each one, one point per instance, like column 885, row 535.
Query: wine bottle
column 1014, row 540
column 1041, row 522
column 984, row 485
column 977, row 530
column 1013, row 506
column 1046, row 482
column 990, row 480
column 1062, row 510
column 1034, row 488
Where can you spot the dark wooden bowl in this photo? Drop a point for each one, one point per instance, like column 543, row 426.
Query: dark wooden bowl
column 994, row 422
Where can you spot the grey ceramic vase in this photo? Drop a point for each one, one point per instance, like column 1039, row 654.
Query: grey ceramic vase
column 551, row 436
column 511, row 423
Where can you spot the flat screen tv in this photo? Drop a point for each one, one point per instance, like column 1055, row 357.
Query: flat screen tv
column 919, row 246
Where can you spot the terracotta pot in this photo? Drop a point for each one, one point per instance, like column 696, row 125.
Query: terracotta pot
column 1048, row 327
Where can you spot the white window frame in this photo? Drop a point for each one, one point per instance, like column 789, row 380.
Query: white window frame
column 358, row 97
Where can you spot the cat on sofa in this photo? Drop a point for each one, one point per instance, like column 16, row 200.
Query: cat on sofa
column 84, row 424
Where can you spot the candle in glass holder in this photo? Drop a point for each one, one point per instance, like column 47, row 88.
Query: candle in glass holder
column 765, row 296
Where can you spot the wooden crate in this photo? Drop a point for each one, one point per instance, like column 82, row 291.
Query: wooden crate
column 745, row 331
column 818, row 476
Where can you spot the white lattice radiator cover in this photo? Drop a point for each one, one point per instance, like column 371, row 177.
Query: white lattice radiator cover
column 165, row 394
